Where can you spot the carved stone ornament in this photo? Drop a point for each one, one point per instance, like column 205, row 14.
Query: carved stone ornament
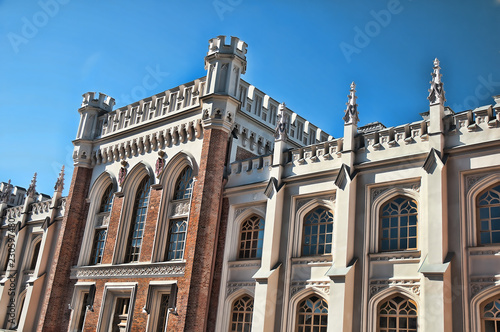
column 436, row 92
column 234, row 286
column 473, row 179
column 478, row 284
column 5, row 193
column 160, row 164
column 376, row 192
column 60, row 181
column 164, row 270
column 297, row 286
column 301, row 202
column 280, row 131
column 32, row 188
column 412, row 284
column 351, row 112
column 122, row 174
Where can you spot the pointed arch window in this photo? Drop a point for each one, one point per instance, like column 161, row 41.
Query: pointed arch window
column 136, row 230
column 398, row 226
column 312, row 315
column 317, row 238
column 251, row 238
column 101, row 226
column 490, row 316
column 488, row 206
column 184, row 184
column 34, row 255
column 241, row 314
column 398, row 314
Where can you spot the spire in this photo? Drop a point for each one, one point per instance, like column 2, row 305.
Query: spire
column 351, row 112
column 280, row 131
column 5, row 193
column 60, row 181
column 436, row 92
column 32, row 188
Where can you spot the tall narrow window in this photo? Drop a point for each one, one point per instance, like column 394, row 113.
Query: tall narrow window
column 184, row 184
column 398, row 315
column 34, row 256
column 136, row 231
column 490, row 316
column 120, row 316
column 318, row 232
column 101, row 226
column 177, row 239
column 312, row 315
column 241, row 314
column 251, row 238
column 399, row 224
column 162, row 313
column 83, row 311
column 488, row 205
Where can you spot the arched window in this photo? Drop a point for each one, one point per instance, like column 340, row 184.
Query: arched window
column 488, row 206
column 101, row 226
column 241, row 314
column 177, row 239
column 136, row 230
column 317, row 238
column 184, row 184
column 34, row 256
column 398, row 224
column 398, row 314
column 490, row 316
column 251, row 238
column 312, row 314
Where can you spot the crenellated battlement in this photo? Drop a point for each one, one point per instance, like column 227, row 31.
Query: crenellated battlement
column 218, row 45
column 104, row 102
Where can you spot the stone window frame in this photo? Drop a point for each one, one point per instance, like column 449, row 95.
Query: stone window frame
column 375, row 220
column 293, row 305
column 37, row 239
column 240, row 233
column 103, row 181
column 298, row 230
column 384, row 295
column 21, row 306
column 245, row 312
column 472, row 220
column 77, row 304
column 383, row 205
column 478, row 302
column 234, row 229
column 113, row 290
column 129, row 191
column 155, row 290
column 228, row 305
column 170, row 208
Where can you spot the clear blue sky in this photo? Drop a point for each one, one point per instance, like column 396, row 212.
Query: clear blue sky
column 305, row 53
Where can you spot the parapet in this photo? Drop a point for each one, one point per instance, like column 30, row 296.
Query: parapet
column 218, row 45
column 103, row 102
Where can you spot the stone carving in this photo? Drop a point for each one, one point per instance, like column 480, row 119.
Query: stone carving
column 301, row 202
column 297, row 286
column 478, row 284
column 412, row 284
column 32, row 188
column 239, row 211
column 60, row 181
column 40, row 207
column 411, row 186
column 351, row 112
column 280, row 133
column 180, row 208
column 5, row 194
column 166, row 270
column 471, row 180
column 436, row 92
column 160, row 163
column 234, row 286
column 122, row 174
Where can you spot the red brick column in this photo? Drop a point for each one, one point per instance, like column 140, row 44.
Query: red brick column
column 193, row 299
column 54, row 315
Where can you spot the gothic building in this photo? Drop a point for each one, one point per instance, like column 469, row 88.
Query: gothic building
column 213, row 207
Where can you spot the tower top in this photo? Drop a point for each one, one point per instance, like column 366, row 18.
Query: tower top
column 103, row 102
column 218, row 45
column 351, row 112
column 436, row 92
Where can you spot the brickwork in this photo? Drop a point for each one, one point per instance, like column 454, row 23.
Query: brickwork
column 242, row 154
column 114, row 221
column 152, row 218
column 219, row 259
column 54, row 310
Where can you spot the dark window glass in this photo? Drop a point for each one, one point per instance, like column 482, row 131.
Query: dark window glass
column 318, row 232
column 177, row 239
column 138, row 220
column 251, row 238
column 241, row 315
column 399, row 225
column 98, row 246
column 398, row 314
column 184, row 184
column 312, row 314
column 488, row 205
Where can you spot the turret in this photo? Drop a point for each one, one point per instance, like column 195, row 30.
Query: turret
column 225, row 64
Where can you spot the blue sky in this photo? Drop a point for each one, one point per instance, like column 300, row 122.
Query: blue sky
column 305, row 53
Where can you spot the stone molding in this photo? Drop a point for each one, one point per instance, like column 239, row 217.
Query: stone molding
column 297, row 286
column 377, row 285
column 376, row 192
column 129, row 270
column 478, row 284
column 234, row 286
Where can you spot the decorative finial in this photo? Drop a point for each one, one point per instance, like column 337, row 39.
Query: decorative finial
column 436, row 92
column 351, row 113
column 60, row 181
column 280, row 131
column 5, row 193
column 32, row 188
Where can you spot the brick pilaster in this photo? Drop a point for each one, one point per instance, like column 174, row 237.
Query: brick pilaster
column 54, row 314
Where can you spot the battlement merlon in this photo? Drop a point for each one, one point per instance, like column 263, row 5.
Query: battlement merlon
column 104, row 102
column 218, row 45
